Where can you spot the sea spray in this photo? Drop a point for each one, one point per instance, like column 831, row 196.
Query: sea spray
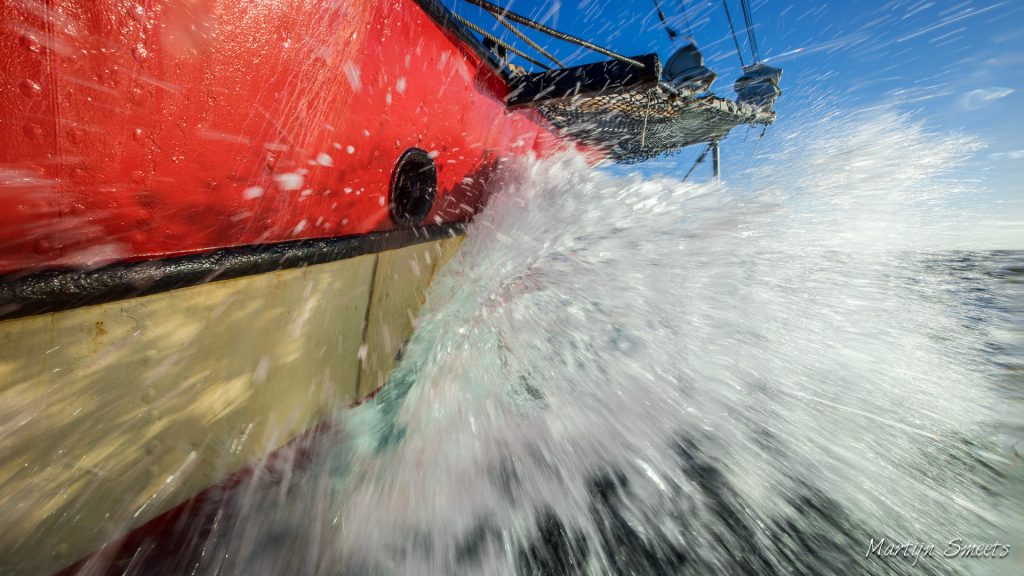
column 630, row 376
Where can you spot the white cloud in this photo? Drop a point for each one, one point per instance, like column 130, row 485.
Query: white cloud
column 1011, row 155
column 984, row 96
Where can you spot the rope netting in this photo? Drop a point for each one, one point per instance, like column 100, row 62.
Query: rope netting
column 639, row 125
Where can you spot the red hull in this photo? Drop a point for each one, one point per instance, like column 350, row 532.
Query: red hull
column 139, row 131
column 136, row 131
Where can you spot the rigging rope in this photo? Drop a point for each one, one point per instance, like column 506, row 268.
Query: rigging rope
column 532, row 44
column 750, row 30
column 733, row 29
column 668, row 29
column 497, row 41
column 495, row 10
column 699, row 160
column 686, row 19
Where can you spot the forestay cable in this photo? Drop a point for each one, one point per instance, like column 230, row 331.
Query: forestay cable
column 732, row 28
column 750, row 30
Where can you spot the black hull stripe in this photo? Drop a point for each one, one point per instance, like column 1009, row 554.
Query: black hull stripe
column 55, row 291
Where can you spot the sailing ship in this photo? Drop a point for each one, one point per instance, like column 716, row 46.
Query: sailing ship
column 218, row 219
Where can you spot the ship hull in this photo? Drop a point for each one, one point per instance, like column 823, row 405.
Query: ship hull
column 199, row 255
column 128, row 409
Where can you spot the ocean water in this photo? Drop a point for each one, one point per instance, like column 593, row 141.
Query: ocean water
column 620, row 375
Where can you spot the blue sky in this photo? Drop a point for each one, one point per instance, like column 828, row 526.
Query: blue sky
column 957, row 65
